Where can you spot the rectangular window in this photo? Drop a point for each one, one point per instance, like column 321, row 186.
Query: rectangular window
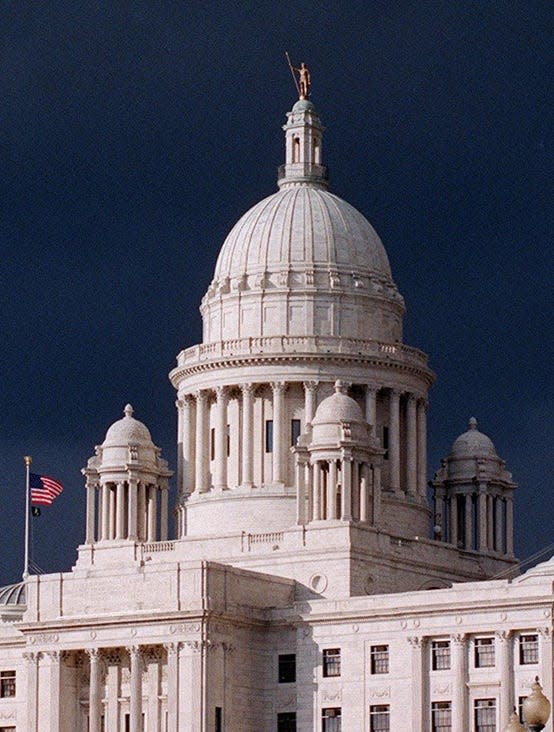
column 528, row 649
column 269, row 435
column 386, row 442
column 212, row 443
column 440, row 655
column 485, row 715
column 127, row 722
column 379, row 718
column 379, row 659
column 441, row 716
column 287, row 668
column 7, row 684
column 286, row 722
column 218, row 719
column 331, row 662
column 484, row 652
column 7, row 729
column 228, row 440
column 294, row 431
column 331, row 719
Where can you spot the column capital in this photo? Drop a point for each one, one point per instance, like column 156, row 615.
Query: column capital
column 416, row 641
column 134, row 651
column 544, row 632
column 458, row 639
column 172, row 649
column 247, row 389
column 310, row 385
column 278, row 386
column 221, row 393
column 411, row 398
column 503, row 635
column 372, row 388
column 202, row 396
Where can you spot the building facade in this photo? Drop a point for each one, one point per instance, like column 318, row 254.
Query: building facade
column 309, row 585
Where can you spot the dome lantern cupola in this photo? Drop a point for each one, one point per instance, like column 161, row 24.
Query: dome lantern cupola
column 303, row 136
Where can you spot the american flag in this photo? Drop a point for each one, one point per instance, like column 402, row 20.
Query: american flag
column 43, row 489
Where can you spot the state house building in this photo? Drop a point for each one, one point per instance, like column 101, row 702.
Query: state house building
column 310, row 585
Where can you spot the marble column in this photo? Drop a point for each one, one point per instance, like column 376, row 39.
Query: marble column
column 422, row 448
column 91, row 501
column 453, row 501
column 316, row 491
column 438, row 512
column 509, row 529
column 419, row 684
column 172, row 650
column 371, row 406
column 364, row 493
column 95, row 692
column 120, row 511
column 355, row 490
column 163, row 513
column 133, row 509
column 152, row 512
column 394, row 441
column 247, row 441
column 55, row 684
column 310, row 491
column 31, row 696
column 105, row 511
column 141, row 511
column 220, row 465
column 112, row 528
column 300, row 489
column 458, row 651
column 490, row 523
column 411, row 446
column 545, row 660
column 185, row 426
column 482, row 518
column 498, row 539
column 332, row 490
column 135, row 701
column 310, row 393
column 201, row 458
column 346, row 492
column 278, row 409
column 468, row 521
column 376, row 490
column 504, row 642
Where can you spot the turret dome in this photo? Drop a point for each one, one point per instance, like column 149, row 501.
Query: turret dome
column 338, row 407
column 127, row 431
column 473, row 443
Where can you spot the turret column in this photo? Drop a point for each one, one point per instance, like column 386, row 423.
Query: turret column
column 310, row 392
column 422, row 449
column 394, row 440
column 91, row 500
column 346, row 493
column 332, row 490
column 411, row 446
column 120, row 511
column 371, row 405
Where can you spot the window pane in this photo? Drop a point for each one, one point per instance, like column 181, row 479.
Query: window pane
column 441, row 716
column 287, row 668
column 379, row 718
column 269, row 435
column 485, row 715
column 440, row 655
column 331, row 719
column 7, row 684
column 379, row 659
column 484, row 652
column 294, row 431
column 286, row 722
column 528, row 649
column 331, row 662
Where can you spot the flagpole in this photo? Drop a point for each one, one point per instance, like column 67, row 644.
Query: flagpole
column 28, row 460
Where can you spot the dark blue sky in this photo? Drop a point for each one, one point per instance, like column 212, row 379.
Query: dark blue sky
column 134, row 134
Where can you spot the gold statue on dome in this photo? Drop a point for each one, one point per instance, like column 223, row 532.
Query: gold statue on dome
column 303, row 83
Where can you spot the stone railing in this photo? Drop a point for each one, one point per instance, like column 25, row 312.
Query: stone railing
column 299, row 344
column 269, row 537
column 152, row 547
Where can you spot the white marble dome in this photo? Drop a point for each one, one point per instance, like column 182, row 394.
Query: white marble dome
column 300, row 227
column 339, row 418
column 127, row 431
column 302, row 262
